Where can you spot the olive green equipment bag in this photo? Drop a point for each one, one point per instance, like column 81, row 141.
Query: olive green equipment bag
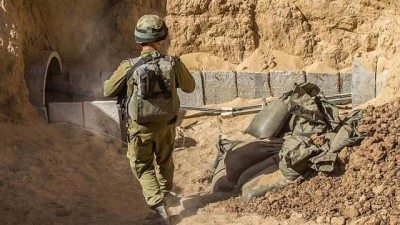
column 151, row 90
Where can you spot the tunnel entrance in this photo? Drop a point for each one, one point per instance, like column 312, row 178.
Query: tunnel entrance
column 57, row 84
column 46, row 82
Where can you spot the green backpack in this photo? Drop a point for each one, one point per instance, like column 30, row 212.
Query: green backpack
column 151, row 90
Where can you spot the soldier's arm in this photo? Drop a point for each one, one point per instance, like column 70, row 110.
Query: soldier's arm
column 117, row 81
column 185, row 79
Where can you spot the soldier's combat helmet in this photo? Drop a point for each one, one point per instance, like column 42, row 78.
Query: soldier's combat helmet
column 150, row 28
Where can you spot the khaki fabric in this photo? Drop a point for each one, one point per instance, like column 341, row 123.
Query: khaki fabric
column 150, row 145
column 150, row 154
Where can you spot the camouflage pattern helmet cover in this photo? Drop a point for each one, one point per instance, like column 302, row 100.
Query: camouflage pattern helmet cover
column 150, row 28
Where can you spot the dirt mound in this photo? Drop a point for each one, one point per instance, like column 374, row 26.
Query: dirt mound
column 265, row 58
column 60, row 174
column 205, row 61
column 365, row 187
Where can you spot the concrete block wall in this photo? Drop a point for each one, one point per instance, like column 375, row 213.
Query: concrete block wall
column 380, row 78
column 195, row 98
column 253, row 85
column 328, row 83
column 69, row 112
column 96, row 116
column 363, row 85
column 282, row 82
column 102, row 116
column 345, row 82
column 218, row 87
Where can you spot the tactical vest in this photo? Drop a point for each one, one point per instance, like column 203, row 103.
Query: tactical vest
column 151, row 90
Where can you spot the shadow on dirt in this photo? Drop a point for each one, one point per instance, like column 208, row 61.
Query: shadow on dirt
column 191, row 205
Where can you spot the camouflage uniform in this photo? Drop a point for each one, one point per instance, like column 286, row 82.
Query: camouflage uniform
column 151, row 145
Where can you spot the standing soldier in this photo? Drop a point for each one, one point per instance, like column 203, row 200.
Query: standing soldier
column 151, row 105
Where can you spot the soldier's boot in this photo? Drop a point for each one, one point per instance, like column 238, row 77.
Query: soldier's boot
column 171, row 199
column 162, row 215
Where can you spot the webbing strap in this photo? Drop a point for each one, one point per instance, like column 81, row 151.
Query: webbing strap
column 142, row 60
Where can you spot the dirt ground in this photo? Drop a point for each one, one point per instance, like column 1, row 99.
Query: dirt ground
column 61, row 174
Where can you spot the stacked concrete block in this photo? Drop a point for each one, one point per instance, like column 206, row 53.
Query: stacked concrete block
column 196, row 98
column 219, row 87
column 328, row 83
column 253, row 85
column 85, row 84
column 345, row 83
column 282, row 82
column 363, row 83
column 68, row 112
column 102, row 116
column 380, row 79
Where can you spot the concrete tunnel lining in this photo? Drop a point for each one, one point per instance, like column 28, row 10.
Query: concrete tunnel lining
column 37, row 78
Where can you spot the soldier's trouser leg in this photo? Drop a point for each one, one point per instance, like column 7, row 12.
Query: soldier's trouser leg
column 145, row 148
column 164, row 148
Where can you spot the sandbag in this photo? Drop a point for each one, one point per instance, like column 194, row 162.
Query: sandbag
column 219, row 182
column 269, row 121
column 271, row 178
column 247, row 154
column 256, row 170
column 222, row 147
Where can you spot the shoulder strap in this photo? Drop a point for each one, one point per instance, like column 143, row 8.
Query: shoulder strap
column 141, row 61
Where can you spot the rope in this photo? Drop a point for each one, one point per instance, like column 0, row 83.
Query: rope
column 181, row 135
column 98, row 132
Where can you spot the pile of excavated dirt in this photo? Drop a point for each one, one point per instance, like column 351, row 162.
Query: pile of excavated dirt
column 365, row 189
column 391, row 86
column 201, row 61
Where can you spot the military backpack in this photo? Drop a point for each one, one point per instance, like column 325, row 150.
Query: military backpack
column 151, row 90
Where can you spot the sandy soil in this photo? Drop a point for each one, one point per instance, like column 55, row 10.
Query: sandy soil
column 61, row 174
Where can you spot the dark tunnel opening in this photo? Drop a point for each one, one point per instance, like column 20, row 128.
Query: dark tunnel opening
column 57, row 84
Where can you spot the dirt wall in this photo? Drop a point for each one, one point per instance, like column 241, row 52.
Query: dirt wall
column 13, row 93
column 265, row 33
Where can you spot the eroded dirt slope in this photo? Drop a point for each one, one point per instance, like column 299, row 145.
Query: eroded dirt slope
column 60, row 174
